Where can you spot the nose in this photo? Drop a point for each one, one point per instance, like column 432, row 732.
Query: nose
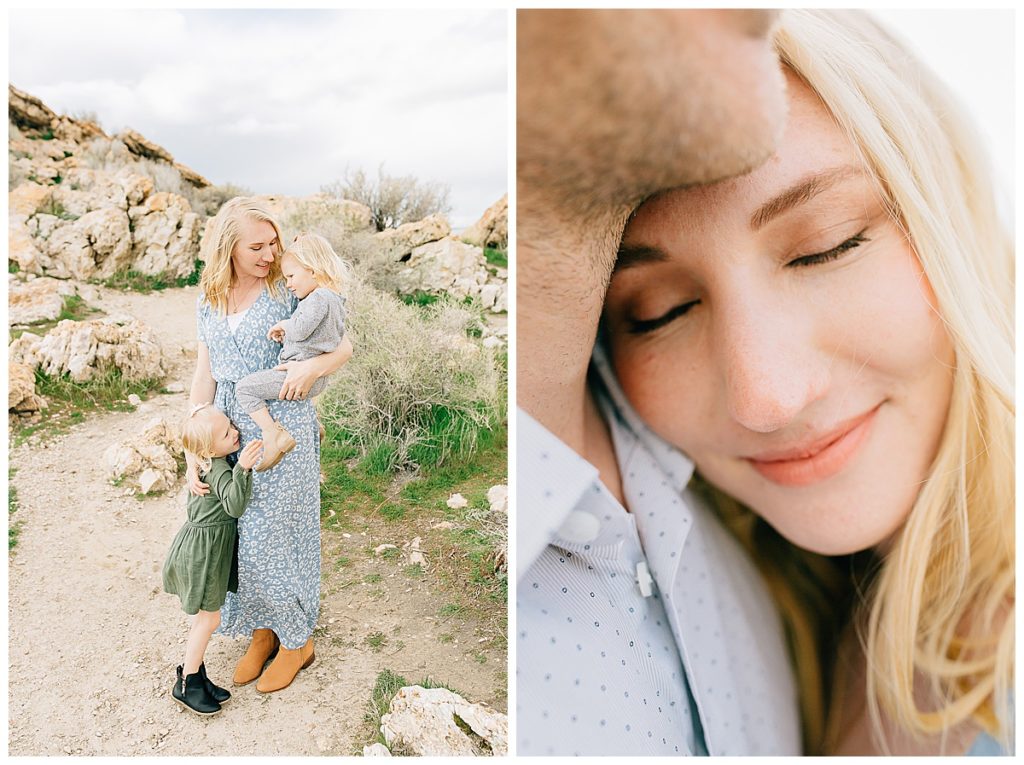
column 772, row 367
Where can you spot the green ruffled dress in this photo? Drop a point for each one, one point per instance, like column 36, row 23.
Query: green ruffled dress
column 202, row 564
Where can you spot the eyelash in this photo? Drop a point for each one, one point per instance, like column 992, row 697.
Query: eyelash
column 643, row 326
column 824, row 257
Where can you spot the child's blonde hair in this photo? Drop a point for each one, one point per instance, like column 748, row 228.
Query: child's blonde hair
column 197, row 435
column 315, row 253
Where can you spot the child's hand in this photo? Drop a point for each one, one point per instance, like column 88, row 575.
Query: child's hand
column 276, row 333
column 250, row 454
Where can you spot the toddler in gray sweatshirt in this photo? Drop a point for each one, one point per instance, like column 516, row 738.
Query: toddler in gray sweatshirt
column 314, row 274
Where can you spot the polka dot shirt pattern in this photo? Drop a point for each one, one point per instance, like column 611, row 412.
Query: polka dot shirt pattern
column 697, row 667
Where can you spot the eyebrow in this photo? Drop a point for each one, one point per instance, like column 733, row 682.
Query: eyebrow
column 630, row 257
column 801, row 192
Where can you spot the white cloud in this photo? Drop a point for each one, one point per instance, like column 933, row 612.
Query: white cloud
column 282, row 101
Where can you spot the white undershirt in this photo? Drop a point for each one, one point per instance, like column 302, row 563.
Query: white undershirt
column 234, row 319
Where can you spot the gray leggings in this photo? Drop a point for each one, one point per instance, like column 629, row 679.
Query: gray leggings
column 253, row 391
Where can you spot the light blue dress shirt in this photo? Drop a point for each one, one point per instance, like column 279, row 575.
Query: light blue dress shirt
column 690, row 660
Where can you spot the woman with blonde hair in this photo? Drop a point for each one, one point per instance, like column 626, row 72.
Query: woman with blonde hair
column 829, row 339
column 243, row 295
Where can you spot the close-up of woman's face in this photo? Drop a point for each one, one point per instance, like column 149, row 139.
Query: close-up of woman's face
column 256, row 248
column 778, row 328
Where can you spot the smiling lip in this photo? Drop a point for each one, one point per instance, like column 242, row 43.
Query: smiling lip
column 819, row 459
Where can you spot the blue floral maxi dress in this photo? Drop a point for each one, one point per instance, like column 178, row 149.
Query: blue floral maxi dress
column 279, row 534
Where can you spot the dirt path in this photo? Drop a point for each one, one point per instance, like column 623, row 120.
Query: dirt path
column 94, row 640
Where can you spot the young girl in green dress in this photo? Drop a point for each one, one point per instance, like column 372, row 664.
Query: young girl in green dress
column 200, row 566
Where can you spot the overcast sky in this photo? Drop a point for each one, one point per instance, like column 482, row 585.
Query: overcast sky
column 281, row 101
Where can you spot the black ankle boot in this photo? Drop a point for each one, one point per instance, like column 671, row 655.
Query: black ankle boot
column 190, row 691
column 220, row 695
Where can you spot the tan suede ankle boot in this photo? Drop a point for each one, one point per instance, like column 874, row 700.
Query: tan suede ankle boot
column 277, row 442
column 285, row 667
column 263, row 646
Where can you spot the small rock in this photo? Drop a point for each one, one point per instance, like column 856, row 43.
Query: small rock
column 497, row 496
column 176, row 387
column 376, row 750
column 381, row 548
column 134, row 399
column 347, row 536
column 456, row 501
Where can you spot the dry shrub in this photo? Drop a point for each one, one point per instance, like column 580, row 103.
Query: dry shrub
column 359, row 248
column 419, row 389
column 392, row 199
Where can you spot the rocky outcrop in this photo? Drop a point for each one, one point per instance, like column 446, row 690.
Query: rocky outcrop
column 28, row 112
column 97, row 224
column 34, row 300
column 451, row 266
column 84, row 350
column 426, row 723
column 165, row 235
column 492, row 228
column 150, row 461
column 140, row 147
column 397, row 244
column 71, row 221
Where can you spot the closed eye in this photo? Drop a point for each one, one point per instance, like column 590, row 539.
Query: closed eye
column 642, row 326
column 824, row 257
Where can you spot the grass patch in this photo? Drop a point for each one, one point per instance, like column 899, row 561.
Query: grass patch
column 13, row 527
column 376, row 641
column 69, row 400
column 385, row 688
column 420, row 392
column 372, row 578
column 450, row 610
column 392, row 512
column 496, row 257
column 55, row 208
column 415, row 571
column 419, row 298
column 74, row 308
column 13, row 267
column 445, row 638
column 146, row 283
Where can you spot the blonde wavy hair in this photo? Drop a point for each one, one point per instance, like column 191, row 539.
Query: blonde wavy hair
column 315, row 253
column 938, row 606
column 197, row 435
column 219, row 243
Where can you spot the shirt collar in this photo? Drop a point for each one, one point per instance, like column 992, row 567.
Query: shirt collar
column 678, row 468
